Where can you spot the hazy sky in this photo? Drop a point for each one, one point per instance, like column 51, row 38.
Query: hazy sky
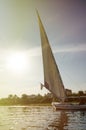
column 65, row 25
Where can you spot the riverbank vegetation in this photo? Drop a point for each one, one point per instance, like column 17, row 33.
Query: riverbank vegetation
column 36, row 99
column 26, row 99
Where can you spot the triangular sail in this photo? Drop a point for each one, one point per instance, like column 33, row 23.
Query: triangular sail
column 52, row 78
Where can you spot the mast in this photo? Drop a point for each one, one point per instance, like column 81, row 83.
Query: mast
column 52, row 77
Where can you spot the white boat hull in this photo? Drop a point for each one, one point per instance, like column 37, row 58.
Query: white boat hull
column 66, row 106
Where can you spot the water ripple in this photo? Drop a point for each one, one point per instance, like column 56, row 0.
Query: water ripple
column 40, row 118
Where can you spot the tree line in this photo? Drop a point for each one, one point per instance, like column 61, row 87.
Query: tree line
column 36, row 99
column 26, row 99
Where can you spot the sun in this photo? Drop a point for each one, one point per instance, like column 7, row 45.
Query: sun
column 17, row 62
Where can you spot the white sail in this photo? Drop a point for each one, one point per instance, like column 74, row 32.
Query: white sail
column 52, row 78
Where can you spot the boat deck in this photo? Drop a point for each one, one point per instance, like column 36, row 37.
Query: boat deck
column 66, row 106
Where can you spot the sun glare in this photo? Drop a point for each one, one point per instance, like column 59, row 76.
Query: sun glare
column 17, row 62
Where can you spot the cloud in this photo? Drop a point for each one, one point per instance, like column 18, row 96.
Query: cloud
column 37, row 50
column 76, row 49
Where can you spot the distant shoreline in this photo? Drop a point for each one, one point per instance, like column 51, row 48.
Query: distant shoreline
column 41, row 104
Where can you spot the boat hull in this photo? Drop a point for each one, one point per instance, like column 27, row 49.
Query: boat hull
column 75, row 107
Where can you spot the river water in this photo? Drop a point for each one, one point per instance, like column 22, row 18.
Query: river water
column 40, row 118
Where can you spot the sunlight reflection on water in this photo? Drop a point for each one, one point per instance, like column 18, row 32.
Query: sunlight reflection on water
column 40, row 118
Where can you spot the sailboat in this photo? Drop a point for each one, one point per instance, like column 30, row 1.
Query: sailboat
column 52, row 77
